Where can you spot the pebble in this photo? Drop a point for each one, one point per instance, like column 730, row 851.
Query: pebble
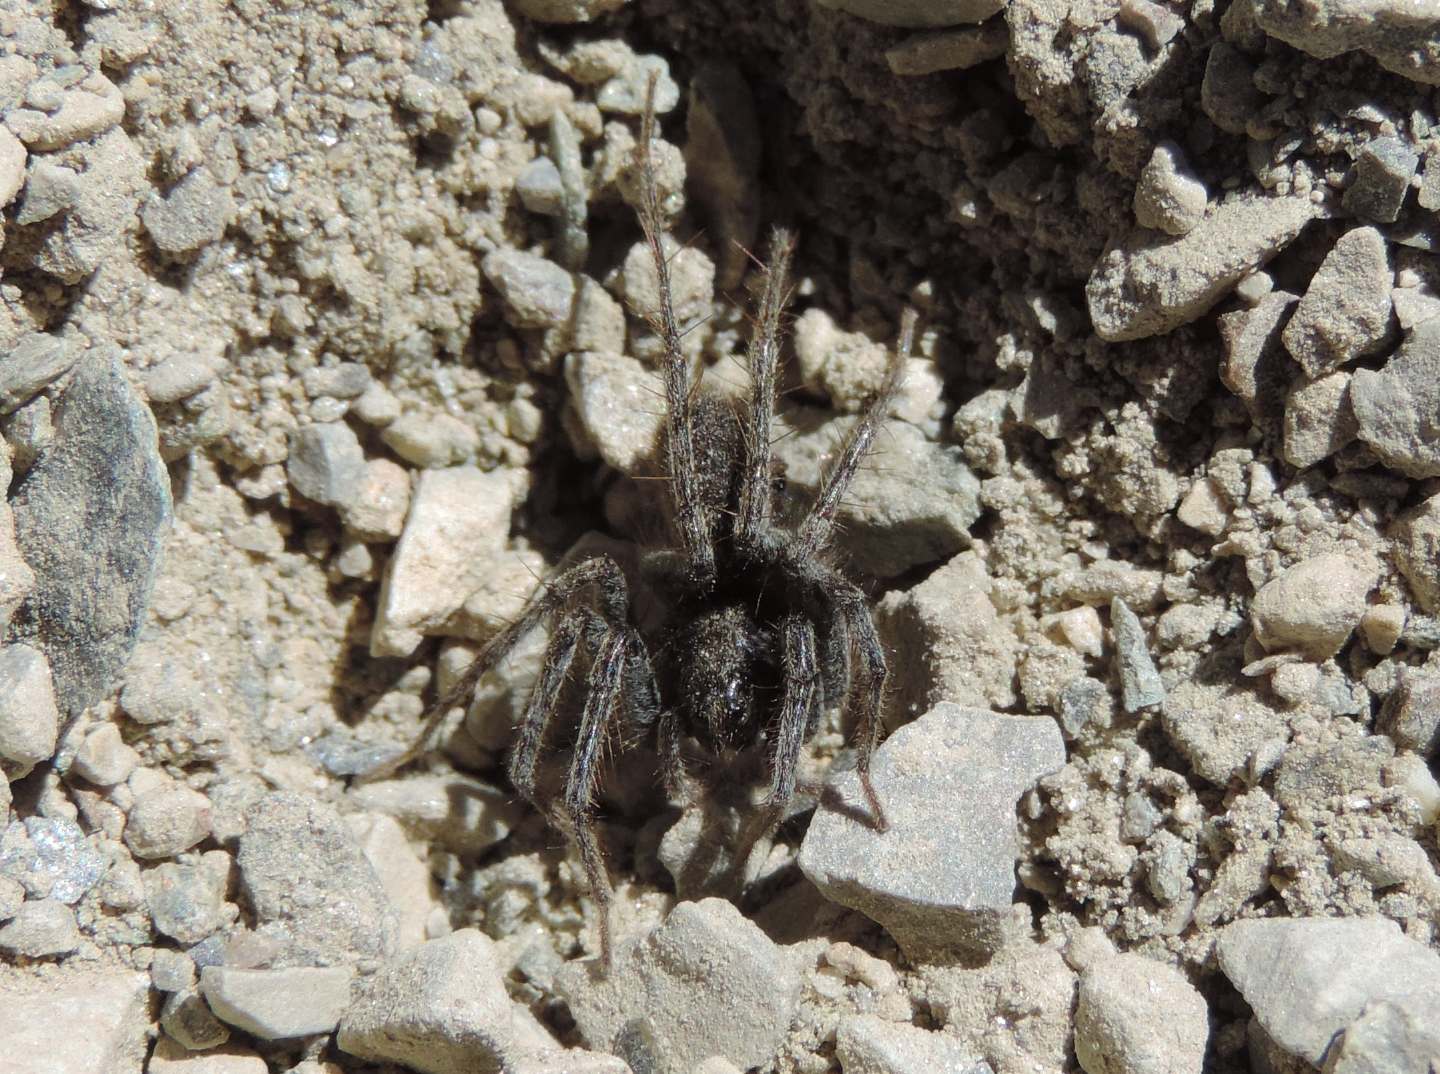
column 103, row 758
column 868, row 1044
column 1385, row 861
column 538, row 293
column 1382, row 177
column 309, row 885
column 1394, row 406
column 849, row 366
column 1228, row 94
column 458, row 525
column 1204, row 508
column 1168, row 196
column 540, row 188
column 1381, row 626
column 377, row 406
column 1137, row 1016
column 43, row 928
column 95, row 556
column 12, row 166
column 377, row 510
column 50, row 189
column 941, row 879
column 431, row 440
column 912, row 502
column 1345, row 312
column 170, row 1057
column 1255, row 366
column 187, row 1018
column 187, row 899
column 52, row 857
column 180, row 376
column 166, row 821
column 1394, row 32
column 326, row 463
column 626, row 93
column 403, row 874
column 1411, row 714
column 1319, row 419
column 94, row 1022
column 705, row 956
column 85, row 110
column 34, row 363
column 1310, row 979
column 1140, row 685
column 1313, row 606
column 29, row 719
column 1147, row 285
column 620, row 405
column 454, row 811
column 572, row 236
column 952, row 50
column 1155, row 23
column 161, row 685
column 192, row 215
column 345, row 380
column 12, row 894
column 1415, row 546
column 692, row 281
column 1218, row 729
column 919, row 14
column 172, row 971
column 442, row 1008
column 278, row 1004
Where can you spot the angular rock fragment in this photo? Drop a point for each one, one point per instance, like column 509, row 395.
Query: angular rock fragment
column 278, row 1004
column 167, row 820
column 90, row 518
column 1395, row 405
column 1319, row 419
column 1382, row 178
column 538, row 293
column 326, row 463
column 1145, row 285
column 1313, row 606
column 192, row 215
column 1310, row 979
column 1140, row 685
column 1255, row 367
column 619, row 404
column 44, row 928
column 919, row 13
column 29, row 720
column 1403, row 37
column 1415, row 544
column 941, row 877
column 1137, row 1016
column 706, row 956
column 1169, row 197
column 868, row 1044
column 1345, row 312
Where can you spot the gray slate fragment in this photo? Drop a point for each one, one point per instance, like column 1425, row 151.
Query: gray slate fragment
column 572, row 234
column 941, row 878
column 90, row 520
column 310, row 885
column 1309, row 979
column 326, row 463
column 705, row 957
column 187, row 899
column 189, row 1021
column 278, row 1004
column 1382, row 178
column 869, row 1044
column 1395, row 406
column 1346, row 311
column 32, row 364
column 1140, row 685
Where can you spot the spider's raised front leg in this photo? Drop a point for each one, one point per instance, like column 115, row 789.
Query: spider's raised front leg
column 801, row 673
column 601, row 574
column 868, row 676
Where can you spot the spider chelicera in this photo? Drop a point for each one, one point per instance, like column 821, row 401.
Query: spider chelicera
column 762, row 632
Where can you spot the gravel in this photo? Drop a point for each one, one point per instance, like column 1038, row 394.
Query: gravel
column 167, row 820
column 43, row 928
column 1137, row 1016
column 1345, row 313
column 278, row 1004
column 188, row 1020
column 942, row 887
column 79, row 1024
column 326, row 464
column 1314, row 606
column 1140, row 685
column 1392, row 404
column 867, row 1044
column 29, row 720
column 187, row 899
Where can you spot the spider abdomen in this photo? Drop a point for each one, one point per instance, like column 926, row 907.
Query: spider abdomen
column 722, row 668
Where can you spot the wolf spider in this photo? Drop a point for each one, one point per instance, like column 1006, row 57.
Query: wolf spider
column 762, row 632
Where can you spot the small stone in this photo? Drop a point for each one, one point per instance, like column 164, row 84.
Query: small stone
column 44, row 928
column 1382, row 177
column 1081, row 701
column 1079, row 628
column 441, row 1008
column 171, row 1057
column 1319, row 419
column 29, row 720
column 190, row 1022
column 1227, row 90
column 180, row 376
column 187, row 899
column 704, row 954
column 1169, row 197
column 17, row 580
column 83, row 111
column 161, row 685
column 849, row 368
column 1381, row 627
column 627, row 92
column 1140, row 685
column 868, row 1044
column 1415, row 544
column 103, row 758
column 1394, row 406
column 953, row 50
column 1414, row 306
column 1167, row 867
column 619, row 403
column 278, row 1004
column 1218, row 729
column 95, row 556
column 1385, row 861
column 457, row 812
column 1411, row 714
column 12, row 166
column 327, row 463
column 192, row 215
column 172, row 971
column 402, row 872
column 538, row 293
column 692, row 281
column 1137, row 1016
column 93, row 1023
column 458, row 524
column 1204, row 508
column 565, row 11
column 918, row 14
column 1401, row 37
column 1313, row 606
column 346, row 380
column 34, row 363
column 166, row 821
column 75, row 244
column 1310, row 773
column 1309, row 979
column 431, row 440
column 1146, row 285
column 310, row 886
column 1156, row 24
column 1386, row 1037
column 377, row 510
column 972, row 766
column 52, row 858
column 1255, row 366
column 540, row 188
column 1345, row 312
column 50, row 189
column 377, row 406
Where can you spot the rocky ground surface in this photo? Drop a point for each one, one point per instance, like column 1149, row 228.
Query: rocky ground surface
column 323, row 342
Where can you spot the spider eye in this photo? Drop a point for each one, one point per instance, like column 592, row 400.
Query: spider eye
column 778, row 484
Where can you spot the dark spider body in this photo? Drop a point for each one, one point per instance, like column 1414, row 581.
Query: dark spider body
column 760, row 632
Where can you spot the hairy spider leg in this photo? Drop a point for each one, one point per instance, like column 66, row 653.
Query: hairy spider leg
column 544, row 698
column 868, row 682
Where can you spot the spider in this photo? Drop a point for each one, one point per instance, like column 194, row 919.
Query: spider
column 762, row 632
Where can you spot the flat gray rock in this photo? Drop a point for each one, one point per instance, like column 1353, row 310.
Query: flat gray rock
column 706, row 957
column 86, row 1023
column 1309, row 979
column 278, row 1004
column 310, row 885
column 941, row 879
column 1346, row 311
column 1395, row 406
column 90, row 520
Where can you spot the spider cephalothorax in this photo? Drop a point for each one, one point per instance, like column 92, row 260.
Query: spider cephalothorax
column 760, row 631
